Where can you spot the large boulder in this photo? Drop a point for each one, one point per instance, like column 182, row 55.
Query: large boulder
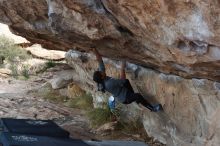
column 191, row 106
column 178, row 37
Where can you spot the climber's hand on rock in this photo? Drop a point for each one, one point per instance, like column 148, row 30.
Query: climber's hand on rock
column 92, row 50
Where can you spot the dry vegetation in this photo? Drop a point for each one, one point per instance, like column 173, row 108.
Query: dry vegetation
column 12, row 56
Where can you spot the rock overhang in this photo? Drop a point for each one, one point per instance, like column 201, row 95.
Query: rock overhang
column 173, row 37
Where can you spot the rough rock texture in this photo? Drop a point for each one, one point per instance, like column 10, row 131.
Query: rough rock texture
column 106, row 128
column 174, row 37
column 191, row 106
column 178, row 37
column 74, row 91
column 61, row 79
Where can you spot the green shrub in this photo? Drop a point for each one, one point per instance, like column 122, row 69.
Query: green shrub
column 82, row 102
column 14, row 70
column 13, row 55
column 25, row 72
column 50, row 64
column 53, row 96
column 99, row 116
column 48, row 93
column 10, row 51
column 56, row 98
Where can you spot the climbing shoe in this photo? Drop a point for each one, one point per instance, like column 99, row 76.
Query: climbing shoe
column 157, row 107
column 154, row 108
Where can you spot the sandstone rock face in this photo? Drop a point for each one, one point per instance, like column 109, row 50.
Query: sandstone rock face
column 178, row 37
column 174, row 37
column 74, row 91
column 191, row 106
column 106, row 128
column 61, row 79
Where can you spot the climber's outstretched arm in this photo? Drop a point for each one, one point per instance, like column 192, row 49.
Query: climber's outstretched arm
column 98, row 56
column 99, row 59
column 123, row 65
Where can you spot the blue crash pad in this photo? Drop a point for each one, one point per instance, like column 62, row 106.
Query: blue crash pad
column 10, row 139
column 34, row 127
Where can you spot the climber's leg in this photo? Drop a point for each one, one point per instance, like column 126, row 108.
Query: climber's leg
column 127, row 85
column 140, row 100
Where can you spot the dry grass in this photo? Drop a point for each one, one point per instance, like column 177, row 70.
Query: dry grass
column 81, row 102
column 48, row 93
column 99, row 116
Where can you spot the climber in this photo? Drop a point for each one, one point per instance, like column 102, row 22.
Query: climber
column 120, row 88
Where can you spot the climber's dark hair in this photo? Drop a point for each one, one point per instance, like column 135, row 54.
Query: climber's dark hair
column 97, row 76
column 92, row 46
